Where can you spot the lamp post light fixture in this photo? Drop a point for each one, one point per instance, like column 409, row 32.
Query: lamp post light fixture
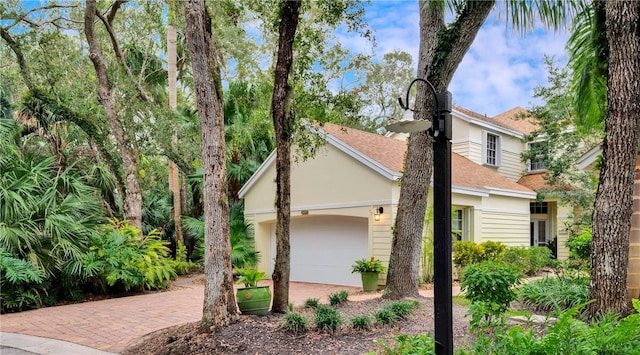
column 440, row 129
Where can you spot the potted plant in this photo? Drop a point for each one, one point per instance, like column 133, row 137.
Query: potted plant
column 252, row 299
column 369, row 270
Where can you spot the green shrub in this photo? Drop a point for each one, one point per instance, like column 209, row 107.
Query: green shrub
column 466, row 253
column 580, row 245
column 607, row 334
column 422, row 344
column 469, row 253
column 327, row 318
column 339, row 297
column 180, row 263
column 295, row 322
column 555, row 293
column 311, row 303
column 492, row 251
column 385, row 316
column 539, row 257
column 491, row 283
column 123, row 260
column 528, row 260
column 21, row 284
column 361, row 322
column 402, row 309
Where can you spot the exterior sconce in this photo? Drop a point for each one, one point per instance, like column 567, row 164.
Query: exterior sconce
column 377, row 213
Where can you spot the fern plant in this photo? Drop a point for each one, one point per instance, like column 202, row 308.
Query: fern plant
column 123, row 260
column 20, row 284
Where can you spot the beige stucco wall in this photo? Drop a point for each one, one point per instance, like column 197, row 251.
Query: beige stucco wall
column 331, row 183
column 330, row 179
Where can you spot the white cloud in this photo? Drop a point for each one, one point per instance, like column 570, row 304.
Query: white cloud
column 498, row 73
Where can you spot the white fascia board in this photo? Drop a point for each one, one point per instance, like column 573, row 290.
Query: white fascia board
column 488, row 125
column 256, row 176
column 329, row 206
column 511, row 193
column 462, row 190
column 589, row 157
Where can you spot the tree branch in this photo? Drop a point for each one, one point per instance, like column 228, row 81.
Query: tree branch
column 15, row 47
column 120, row 55
column 114, row 8
column 25, row 14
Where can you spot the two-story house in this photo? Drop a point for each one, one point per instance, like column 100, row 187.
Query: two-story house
column 344, row 199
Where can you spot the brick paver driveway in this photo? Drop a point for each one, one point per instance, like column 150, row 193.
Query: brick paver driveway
column 111, row 324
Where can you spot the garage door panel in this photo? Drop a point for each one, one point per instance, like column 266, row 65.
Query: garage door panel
column 323, row 248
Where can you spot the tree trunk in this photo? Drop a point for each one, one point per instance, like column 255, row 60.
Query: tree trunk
column 132, row 195
column 219, row 301
column 613, row 204
column 633, row 278
column 290, row 11
column 441, row 51
column 174, row 174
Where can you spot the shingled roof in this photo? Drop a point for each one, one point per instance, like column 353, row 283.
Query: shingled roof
column 390, row 153
column 517, row 119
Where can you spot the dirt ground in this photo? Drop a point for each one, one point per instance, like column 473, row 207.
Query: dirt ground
column 265, row 335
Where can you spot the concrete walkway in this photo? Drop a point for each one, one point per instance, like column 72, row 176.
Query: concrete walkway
column 108, row 326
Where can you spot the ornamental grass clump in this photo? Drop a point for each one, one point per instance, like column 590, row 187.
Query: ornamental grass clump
column 295, row 322
column 327, row 318
column 402, row 309
column 385, row 316
column 552, row 294
column 361, row 322
column 311, row 303
column 339, row 297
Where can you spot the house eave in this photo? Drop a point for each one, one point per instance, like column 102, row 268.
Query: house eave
column 485, row 124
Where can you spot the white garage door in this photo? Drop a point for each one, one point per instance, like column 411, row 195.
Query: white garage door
column 323, row 248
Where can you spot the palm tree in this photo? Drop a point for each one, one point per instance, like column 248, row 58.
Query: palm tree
column 48, row 214
column 248, row 132
column 588, row 59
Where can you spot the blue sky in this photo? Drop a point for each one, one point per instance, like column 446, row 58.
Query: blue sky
column 498, row 73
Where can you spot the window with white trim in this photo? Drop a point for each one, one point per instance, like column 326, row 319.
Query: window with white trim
column 537, row 163
column 491, row 149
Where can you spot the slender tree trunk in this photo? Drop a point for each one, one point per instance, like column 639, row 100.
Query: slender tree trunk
column 290, row 12
column 613, row 204
column 441, row 51
column 219, row 301
column 132, row 194
column 174, row 173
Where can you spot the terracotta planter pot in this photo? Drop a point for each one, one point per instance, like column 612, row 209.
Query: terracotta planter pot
column 369, row 281
column 254, row 300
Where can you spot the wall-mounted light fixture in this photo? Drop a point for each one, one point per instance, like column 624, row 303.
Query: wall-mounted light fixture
column 377, row 213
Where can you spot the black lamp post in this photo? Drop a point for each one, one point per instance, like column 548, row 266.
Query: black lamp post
column 441, row 132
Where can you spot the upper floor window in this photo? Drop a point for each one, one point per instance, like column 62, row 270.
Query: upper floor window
column 492, row 150
column 537, row 160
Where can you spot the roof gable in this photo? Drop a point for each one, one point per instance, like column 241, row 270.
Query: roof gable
column 517, row 119
column 385, row 155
